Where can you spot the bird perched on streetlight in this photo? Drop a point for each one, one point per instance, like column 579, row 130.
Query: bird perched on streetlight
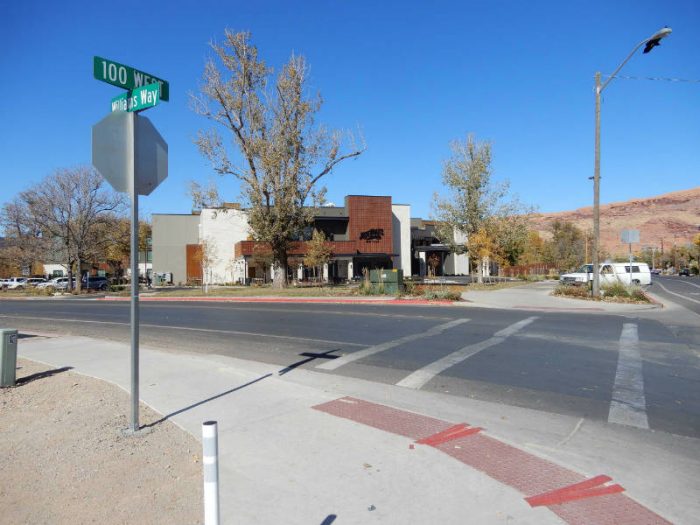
column 656, row 39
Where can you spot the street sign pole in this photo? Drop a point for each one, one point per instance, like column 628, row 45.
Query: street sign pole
column 132, row 156
column 134, row 312
column 134, row 284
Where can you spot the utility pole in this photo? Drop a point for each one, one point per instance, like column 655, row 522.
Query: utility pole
column 596, row 191
column 649, row 44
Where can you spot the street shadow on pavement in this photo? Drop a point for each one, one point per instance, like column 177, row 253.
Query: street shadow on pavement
column 207, row 400
column 26, row 336
column 310, row 356
column 41, row 375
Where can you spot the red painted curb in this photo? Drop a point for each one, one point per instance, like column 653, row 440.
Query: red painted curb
column 452, row 433
column 585, row 489
column 401, row 302
column 570, row 495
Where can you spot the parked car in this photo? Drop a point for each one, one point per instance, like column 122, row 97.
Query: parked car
column 684, row 272
column 655, row 271
column 95, row 283
column 57, row 283
column 35, row 281
column 16, row 283
column 610, row 273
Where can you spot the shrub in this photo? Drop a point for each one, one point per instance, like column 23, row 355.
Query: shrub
column 638, row 295
column 48, row 290
column 616, row 289
column 571, row 291
column 442, row 294
column 409, row 288
column 365, row 288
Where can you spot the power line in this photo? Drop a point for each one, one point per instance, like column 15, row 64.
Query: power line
column 665, row 79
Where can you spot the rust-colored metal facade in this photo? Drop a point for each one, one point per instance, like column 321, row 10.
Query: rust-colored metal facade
column 194, row 265
column 369, row 231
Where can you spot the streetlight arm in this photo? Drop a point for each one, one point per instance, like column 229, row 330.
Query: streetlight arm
column 643, row 42
column 656, row 36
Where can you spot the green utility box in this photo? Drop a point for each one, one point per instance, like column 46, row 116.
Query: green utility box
column 390, row 281
column 8, row 357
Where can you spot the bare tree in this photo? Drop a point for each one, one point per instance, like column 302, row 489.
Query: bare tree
column 112, row 241
column 283, row 154
column 477, row 207
column 68, row 207
column 206, row 258
column 24, row 244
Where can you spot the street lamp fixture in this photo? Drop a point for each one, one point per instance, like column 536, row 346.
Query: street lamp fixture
column 649, row 44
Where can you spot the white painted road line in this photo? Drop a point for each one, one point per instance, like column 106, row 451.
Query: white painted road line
column 628, row 406
column 360, row 354
column 421, row 376
column 677, row 294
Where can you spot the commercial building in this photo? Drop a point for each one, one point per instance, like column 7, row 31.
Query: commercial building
column 432, row 257
column 216, row 246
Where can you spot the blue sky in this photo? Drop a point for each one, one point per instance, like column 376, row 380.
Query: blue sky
column 413, row 76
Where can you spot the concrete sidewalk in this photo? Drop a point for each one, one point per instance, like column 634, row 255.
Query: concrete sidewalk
column 283, row 461
column 537, row 296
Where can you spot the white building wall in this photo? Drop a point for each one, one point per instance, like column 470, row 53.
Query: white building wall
column 401, row 226
column 221, row 229
column 49, row 269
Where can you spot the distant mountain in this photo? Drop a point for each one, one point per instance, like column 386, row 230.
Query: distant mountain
column 662, row 221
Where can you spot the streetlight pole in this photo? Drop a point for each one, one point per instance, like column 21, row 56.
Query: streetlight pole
column 650, row 43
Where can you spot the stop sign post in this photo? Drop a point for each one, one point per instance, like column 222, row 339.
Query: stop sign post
column 131, row 155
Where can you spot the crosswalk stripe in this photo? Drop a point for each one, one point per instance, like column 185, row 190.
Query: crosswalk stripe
column 360, row 354
column 628, row 405
column 423, row 375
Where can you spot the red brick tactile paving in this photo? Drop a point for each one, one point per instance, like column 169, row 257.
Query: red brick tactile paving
column 385, row 418
column 511, row 466
column 527, row 473
column 613, row 509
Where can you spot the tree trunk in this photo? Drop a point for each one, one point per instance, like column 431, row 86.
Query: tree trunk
column 480, row 271
column 79, row 278
column 280, row 268
column 69, row 286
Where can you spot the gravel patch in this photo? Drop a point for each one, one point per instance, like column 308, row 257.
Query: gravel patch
column 63, row 457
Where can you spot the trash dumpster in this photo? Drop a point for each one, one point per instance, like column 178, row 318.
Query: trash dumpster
column 386, row 281
column 8, row 357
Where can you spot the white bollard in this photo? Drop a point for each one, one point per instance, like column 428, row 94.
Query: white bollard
column 210, row 464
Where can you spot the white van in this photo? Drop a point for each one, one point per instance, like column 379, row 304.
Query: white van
column 610, row 273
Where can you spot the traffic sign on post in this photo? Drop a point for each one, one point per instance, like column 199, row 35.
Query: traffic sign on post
column 127, row 77
column 129, row 153
column 141, row 98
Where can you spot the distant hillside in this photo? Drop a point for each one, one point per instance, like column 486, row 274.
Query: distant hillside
column 672, row 218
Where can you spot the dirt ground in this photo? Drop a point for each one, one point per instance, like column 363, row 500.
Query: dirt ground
column 63, row 458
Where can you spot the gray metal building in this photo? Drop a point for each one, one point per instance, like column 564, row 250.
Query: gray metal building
column 171, row 235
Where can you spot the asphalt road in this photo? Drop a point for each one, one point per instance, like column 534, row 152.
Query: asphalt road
column 614, row 368
column 684, row 291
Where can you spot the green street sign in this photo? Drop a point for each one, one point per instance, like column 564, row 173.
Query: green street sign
column 141, row 98
column 127, row 77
